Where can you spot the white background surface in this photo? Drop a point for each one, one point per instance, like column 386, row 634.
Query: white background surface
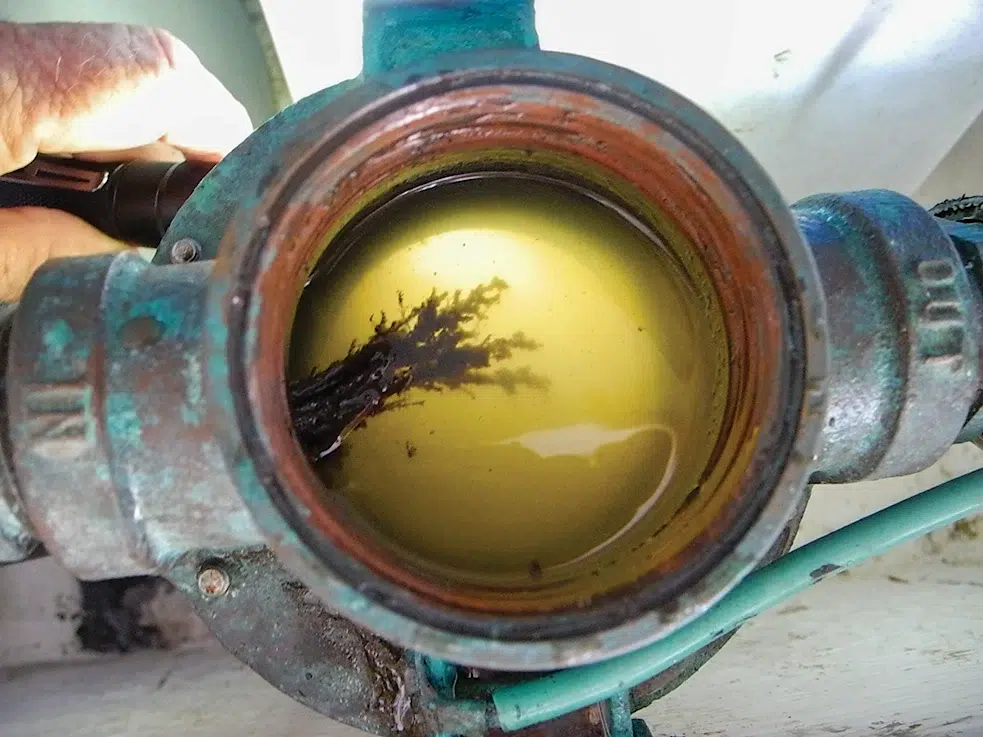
column 833, row 95
column 829, row 95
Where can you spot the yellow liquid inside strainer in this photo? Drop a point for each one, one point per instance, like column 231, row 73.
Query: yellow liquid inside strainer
column 602, row 395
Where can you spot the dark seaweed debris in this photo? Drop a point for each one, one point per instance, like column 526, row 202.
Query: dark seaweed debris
column 434, row 346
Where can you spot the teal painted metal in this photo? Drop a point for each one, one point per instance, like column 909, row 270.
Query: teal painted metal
column 103, row 390
column 619, row 707
column 905, row 326
column 441, row 675
column 538, row 700
column 399, row 33
column 242, row 222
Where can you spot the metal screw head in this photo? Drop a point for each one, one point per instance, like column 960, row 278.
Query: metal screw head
column 213, row 581
column 185, row 250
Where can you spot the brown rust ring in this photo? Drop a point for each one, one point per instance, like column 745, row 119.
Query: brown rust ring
column 638, row 148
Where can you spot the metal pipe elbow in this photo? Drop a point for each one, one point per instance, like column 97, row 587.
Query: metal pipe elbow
column 905, row 325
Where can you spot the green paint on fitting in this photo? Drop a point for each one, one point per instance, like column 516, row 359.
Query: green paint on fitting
column 57, row 337
column 397, row 33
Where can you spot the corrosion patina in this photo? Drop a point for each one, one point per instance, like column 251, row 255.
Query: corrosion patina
column 148, row 422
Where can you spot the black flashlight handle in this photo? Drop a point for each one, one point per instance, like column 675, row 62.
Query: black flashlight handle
column 133, row 201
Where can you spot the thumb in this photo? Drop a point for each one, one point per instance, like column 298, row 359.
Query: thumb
column 29, row 236
column 78, row 88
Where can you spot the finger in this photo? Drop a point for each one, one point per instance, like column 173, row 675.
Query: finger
column 71, row 88
column 29, row 236
column 156, row 151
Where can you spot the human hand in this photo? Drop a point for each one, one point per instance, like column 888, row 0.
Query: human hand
column 97, row 91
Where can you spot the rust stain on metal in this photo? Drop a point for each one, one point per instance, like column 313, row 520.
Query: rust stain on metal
column 471, row 123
